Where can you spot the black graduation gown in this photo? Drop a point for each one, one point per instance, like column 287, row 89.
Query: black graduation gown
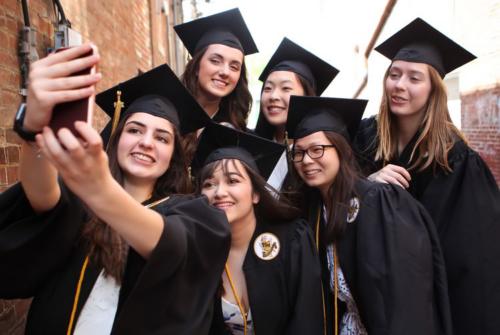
column 169, row 293
column 285, row 292
column 465, row 207
column 392, row 263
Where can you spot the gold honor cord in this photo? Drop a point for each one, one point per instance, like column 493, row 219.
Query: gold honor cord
column 335, row 281
column 77, row 296
column 235, row 294
column 82, row 275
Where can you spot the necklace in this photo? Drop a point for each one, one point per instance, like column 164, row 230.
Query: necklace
column 235, row 294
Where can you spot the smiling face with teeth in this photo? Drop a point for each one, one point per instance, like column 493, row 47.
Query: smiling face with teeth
column 408, row 86
column 145, row 148
column 230, row 189
column 219, row 71
column 321, row 172
column 275, row 97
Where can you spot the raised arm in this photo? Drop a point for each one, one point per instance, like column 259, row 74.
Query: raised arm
column 50, row 84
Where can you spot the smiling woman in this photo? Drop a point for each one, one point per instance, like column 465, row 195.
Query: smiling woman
column 292, row 70
column 100, row 238
column 272, row 278
column 378, row 248
column 216, row 74
column 145, row 148
column 412, row 143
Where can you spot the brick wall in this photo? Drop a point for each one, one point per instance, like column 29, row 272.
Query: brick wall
column 481, row 125
column 130, row 38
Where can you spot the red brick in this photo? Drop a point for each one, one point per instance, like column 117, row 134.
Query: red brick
column 11, row 24
column 12, row 7
column 3, row 156
column 3, row 176
column 7, row 115
column 12, row 153
column 3, row 39
column 12, row 137
column 3, row 139
column 9, row 98
column 7, row 59
column 12, row 175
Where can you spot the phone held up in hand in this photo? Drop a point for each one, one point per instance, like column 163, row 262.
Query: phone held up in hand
column 65, row 114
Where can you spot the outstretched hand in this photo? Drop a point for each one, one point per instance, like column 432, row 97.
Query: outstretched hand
column 81, row 163
column 51, row 82
column 392, row 174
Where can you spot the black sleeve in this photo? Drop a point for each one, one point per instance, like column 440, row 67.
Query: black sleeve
column 179, row 280
column 400, row 291
column 33, row 246
column 304, row 276
column 465, row 206
column 365, row 145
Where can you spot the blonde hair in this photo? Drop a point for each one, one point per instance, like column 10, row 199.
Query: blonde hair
column 437, row 132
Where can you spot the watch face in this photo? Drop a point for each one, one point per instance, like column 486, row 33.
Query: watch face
column 20, row 113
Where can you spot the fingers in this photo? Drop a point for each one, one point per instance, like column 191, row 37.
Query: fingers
column 67, row 54
column 70, row 95
column 51, row 148
column 401, row 170
column 51, row 82
column 392, row 174
column 91, row 137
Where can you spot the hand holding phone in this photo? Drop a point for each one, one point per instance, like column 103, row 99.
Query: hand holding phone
column 64, row 115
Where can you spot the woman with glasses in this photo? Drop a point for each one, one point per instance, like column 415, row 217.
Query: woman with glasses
column 383, row 271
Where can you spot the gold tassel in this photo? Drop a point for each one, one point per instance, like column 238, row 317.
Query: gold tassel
column 118, row 109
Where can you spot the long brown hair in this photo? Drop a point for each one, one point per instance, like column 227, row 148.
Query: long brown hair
column 340, row 191
column 269, row 207
column 437, row 132
column 234, row 107
column 106, row 248
column 263, row 127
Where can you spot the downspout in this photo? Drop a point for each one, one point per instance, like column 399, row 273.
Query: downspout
column 381, row 23
column 27, row 48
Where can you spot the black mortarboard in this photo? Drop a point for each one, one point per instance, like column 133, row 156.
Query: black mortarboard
column 219, row 142
column 292, row 57
column 307, row 115
column 419, row 42
column 227, row 28
column 158, row 92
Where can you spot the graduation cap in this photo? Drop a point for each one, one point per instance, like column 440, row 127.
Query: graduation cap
column 158, row 92
column 227, row 28
column 292, row 57
column 220, row 142
column 307, row 115
column 419, row 42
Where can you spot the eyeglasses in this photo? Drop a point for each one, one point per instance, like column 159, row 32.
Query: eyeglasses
column 315, row 152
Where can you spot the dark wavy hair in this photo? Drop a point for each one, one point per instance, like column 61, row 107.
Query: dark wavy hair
column 263, row 127
column 106, row 248
column 340, row 192
column 269, row 207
